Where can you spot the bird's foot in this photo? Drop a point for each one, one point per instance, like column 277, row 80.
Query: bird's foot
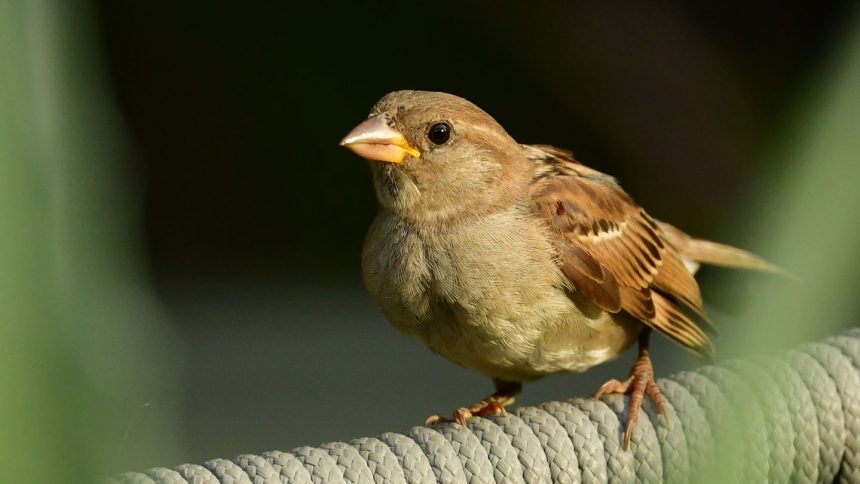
column 493, row 405
column 484, row 408
column 640, row 383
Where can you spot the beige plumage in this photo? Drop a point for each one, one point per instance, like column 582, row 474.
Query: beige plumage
column 516, row 260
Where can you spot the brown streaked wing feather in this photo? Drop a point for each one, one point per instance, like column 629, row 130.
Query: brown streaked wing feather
column 612, row 251
column 672, row 322
column 675, row 280
column 638, row 302
column 590, row 278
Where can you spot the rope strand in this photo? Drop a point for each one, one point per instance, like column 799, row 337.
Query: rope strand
column 790, row 418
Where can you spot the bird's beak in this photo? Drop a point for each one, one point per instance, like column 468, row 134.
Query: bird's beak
column 375, row 140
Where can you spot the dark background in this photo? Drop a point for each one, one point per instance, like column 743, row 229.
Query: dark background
column 253, row 216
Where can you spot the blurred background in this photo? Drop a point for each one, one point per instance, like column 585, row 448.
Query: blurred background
column 180, row 232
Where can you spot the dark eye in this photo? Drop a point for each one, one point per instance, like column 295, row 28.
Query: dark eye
column 439, row 133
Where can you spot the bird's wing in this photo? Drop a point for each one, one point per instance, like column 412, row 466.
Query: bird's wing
column 613, row 252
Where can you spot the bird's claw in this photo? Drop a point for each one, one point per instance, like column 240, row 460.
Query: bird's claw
column 435, row 420
column 612, row 386
column 640, row 383
column 484, row 408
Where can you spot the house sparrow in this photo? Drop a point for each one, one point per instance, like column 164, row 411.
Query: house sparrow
column 516, row 260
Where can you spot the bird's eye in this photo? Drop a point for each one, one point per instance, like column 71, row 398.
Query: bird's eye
column 439, row 133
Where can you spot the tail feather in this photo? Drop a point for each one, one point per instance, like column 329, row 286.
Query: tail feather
column 707, row 252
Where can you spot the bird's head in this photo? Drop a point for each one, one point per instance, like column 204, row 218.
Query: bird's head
column 436, row 155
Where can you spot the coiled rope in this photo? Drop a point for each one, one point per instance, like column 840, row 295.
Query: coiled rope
column 794, row 417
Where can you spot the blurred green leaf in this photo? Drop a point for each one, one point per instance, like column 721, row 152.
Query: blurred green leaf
column 82, row 386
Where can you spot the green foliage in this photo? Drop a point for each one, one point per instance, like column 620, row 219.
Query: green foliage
column 808, row 215
column 80, row 385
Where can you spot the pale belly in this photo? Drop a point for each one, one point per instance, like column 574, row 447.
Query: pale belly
column 490, row 300
column 541, row 343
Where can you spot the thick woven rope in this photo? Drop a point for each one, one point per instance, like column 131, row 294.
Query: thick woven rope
column 792, row 417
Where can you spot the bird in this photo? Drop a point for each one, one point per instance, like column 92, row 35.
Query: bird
column 517, row 260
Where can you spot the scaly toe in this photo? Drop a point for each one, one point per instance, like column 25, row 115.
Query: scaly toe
column 491, row 408
column 461, row 415
column 613, row 386
column 653, row 392
column 435, row 420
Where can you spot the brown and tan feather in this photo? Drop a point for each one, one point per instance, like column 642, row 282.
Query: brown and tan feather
column 613, row 252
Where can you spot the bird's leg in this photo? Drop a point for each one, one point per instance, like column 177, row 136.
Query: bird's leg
column 640, row 383
column 495, row 404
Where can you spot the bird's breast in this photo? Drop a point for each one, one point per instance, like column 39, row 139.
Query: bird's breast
column 484, row 293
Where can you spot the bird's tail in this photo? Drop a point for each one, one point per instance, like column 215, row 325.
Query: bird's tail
column 707, row 252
